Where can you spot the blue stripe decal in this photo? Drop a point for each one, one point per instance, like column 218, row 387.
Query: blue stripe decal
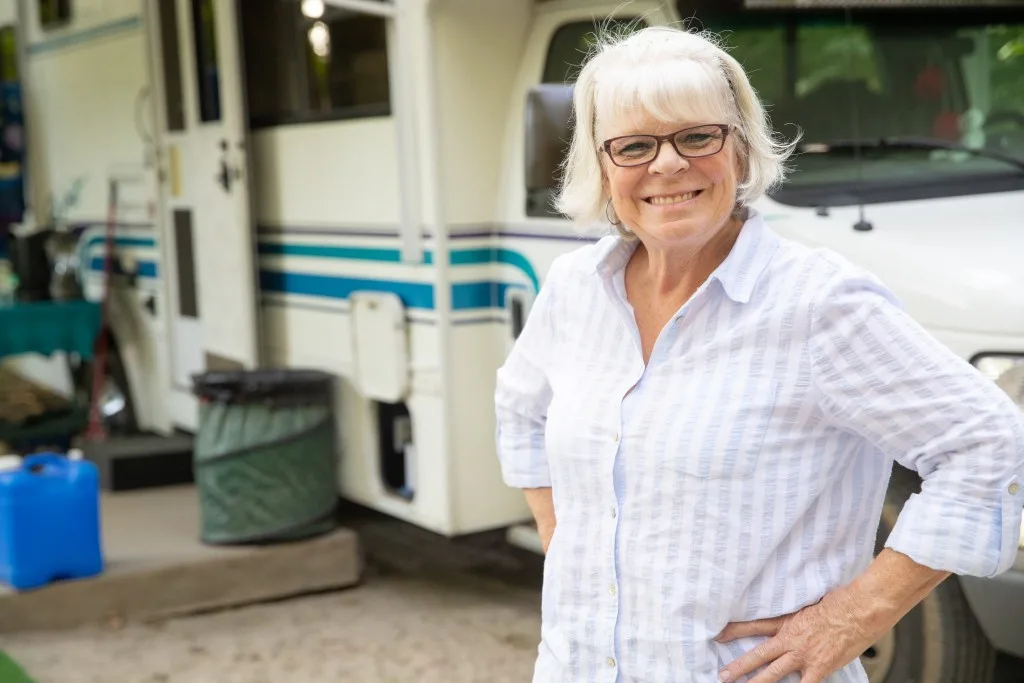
column 320, row 251
column 147, row 269
column 87, row 35
column 412, row 294
column 465, row 296
column 484, row 255
column 99, row 240
column 480, row 256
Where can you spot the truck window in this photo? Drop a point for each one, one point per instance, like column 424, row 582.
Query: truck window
column 54, row 13
column 928, row 78
column 572, row 42
column 304, row 69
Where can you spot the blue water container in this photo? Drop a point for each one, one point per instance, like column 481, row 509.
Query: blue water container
column 49, row 521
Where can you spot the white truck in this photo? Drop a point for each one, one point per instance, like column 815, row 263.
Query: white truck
column 364, row 186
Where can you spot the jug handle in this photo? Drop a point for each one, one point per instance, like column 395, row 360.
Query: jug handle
column 36, row 463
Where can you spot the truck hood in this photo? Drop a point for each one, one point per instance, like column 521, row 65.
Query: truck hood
column 957, row 264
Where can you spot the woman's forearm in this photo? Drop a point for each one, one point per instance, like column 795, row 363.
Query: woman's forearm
column 543, row 509
column 889, row 588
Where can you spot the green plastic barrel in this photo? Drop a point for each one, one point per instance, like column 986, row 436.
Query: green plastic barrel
column 265, row 458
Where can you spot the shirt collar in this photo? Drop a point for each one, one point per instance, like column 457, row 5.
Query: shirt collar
column 738, row 273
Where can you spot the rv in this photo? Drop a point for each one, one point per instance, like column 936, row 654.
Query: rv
column 364, row 187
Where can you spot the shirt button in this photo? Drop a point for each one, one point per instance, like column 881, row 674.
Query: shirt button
column 612, row 590
column 1014, row 488
column 615, row 513
column 616, row 437
column 610, row 662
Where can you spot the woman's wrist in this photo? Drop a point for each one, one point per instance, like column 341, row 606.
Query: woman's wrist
column 889, row 588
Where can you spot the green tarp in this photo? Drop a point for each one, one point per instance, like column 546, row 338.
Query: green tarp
column 47, row 327
column 10, row 672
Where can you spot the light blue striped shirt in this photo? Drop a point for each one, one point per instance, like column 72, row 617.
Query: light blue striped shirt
column 744, row 476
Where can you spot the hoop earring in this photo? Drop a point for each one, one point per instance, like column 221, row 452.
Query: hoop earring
column 608, row 207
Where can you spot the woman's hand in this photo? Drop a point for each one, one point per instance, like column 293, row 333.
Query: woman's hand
column 815, row 642
column 828, row 635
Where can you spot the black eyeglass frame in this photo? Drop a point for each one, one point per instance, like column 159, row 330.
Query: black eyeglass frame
column 671, row 139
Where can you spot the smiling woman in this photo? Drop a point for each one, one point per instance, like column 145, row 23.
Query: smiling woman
column 704, row 415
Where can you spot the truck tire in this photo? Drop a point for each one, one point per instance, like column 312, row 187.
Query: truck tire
column 939, row 641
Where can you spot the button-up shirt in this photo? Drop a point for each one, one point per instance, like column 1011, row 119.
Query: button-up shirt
column 740, row 473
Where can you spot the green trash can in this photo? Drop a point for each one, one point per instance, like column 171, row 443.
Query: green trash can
column 265, row 457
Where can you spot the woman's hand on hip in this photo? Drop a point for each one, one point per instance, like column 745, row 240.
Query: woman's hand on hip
column 831, row 633
column 815, row 642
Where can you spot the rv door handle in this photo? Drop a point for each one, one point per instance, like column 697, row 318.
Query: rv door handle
column 224, row 177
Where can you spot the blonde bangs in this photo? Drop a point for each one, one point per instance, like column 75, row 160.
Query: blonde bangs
column 677, row 91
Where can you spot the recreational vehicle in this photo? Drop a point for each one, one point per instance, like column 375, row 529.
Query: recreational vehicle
column 364, row 187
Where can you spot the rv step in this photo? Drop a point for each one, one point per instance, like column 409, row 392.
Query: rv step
column 143, row 461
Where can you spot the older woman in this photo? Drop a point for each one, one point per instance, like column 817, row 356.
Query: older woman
column 704, row 416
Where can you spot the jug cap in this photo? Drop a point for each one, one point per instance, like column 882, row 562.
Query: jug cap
column 10, row 463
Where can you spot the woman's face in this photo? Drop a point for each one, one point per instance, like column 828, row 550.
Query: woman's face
column 672, row 198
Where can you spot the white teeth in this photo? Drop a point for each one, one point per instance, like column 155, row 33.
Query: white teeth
column 674, row 199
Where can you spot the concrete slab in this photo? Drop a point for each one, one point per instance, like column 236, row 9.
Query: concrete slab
column 157, row 567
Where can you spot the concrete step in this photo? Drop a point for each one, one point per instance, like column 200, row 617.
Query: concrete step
column 157, row 568
column 141, row 461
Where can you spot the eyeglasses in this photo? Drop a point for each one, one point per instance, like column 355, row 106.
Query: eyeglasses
column 690, row 143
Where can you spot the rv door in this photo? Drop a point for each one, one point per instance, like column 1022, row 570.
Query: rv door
column 207, row 233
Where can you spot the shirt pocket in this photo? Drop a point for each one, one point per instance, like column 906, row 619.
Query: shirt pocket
column 725, row 438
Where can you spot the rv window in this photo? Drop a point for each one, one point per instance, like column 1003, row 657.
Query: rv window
column 8, row 55
column 204, row 33
column 571, row 44
column 302, row 69
column 54, row 13
column 170, row 62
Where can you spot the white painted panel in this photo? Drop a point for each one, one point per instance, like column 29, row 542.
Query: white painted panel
column 85, row 98
column 327, row 174
column 478, row 48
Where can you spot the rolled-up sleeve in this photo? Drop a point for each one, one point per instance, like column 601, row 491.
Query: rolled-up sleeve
column 523, row 393
column 884, row 377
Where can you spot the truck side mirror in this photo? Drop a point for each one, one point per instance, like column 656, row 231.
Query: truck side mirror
column 548, row 123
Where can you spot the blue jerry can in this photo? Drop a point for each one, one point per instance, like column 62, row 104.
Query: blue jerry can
column 49, row 521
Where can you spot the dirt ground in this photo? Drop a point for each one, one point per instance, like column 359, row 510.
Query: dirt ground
column 392, row 629
column 428, row 611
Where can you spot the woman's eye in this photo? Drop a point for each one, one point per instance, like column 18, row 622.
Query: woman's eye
column 634, row 149
column 697, row 139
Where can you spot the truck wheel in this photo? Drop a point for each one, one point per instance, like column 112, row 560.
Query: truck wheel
column 939, row 641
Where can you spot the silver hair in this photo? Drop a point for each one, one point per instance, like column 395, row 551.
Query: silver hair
column 673, row 75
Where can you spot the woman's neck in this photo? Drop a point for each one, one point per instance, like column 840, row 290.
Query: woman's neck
column 671, row 273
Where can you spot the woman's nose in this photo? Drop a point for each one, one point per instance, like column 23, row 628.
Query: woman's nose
column 668, row 161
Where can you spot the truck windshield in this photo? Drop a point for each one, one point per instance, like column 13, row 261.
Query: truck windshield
column 947, row 86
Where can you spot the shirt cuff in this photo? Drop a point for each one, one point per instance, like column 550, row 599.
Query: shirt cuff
column 526, row 480
column 973, row 540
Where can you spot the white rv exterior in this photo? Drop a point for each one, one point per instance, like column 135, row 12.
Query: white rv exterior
column 381, row 229
column 319, row 211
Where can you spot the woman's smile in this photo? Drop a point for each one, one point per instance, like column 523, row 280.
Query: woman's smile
column 673, row 200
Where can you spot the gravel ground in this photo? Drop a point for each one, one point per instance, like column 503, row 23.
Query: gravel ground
column 392, row 629
column 429, row 610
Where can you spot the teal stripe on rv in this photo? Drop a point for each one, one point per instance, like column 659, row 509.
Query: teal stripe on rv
column 86, row 35
column 478, row 256
column 465, row 295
